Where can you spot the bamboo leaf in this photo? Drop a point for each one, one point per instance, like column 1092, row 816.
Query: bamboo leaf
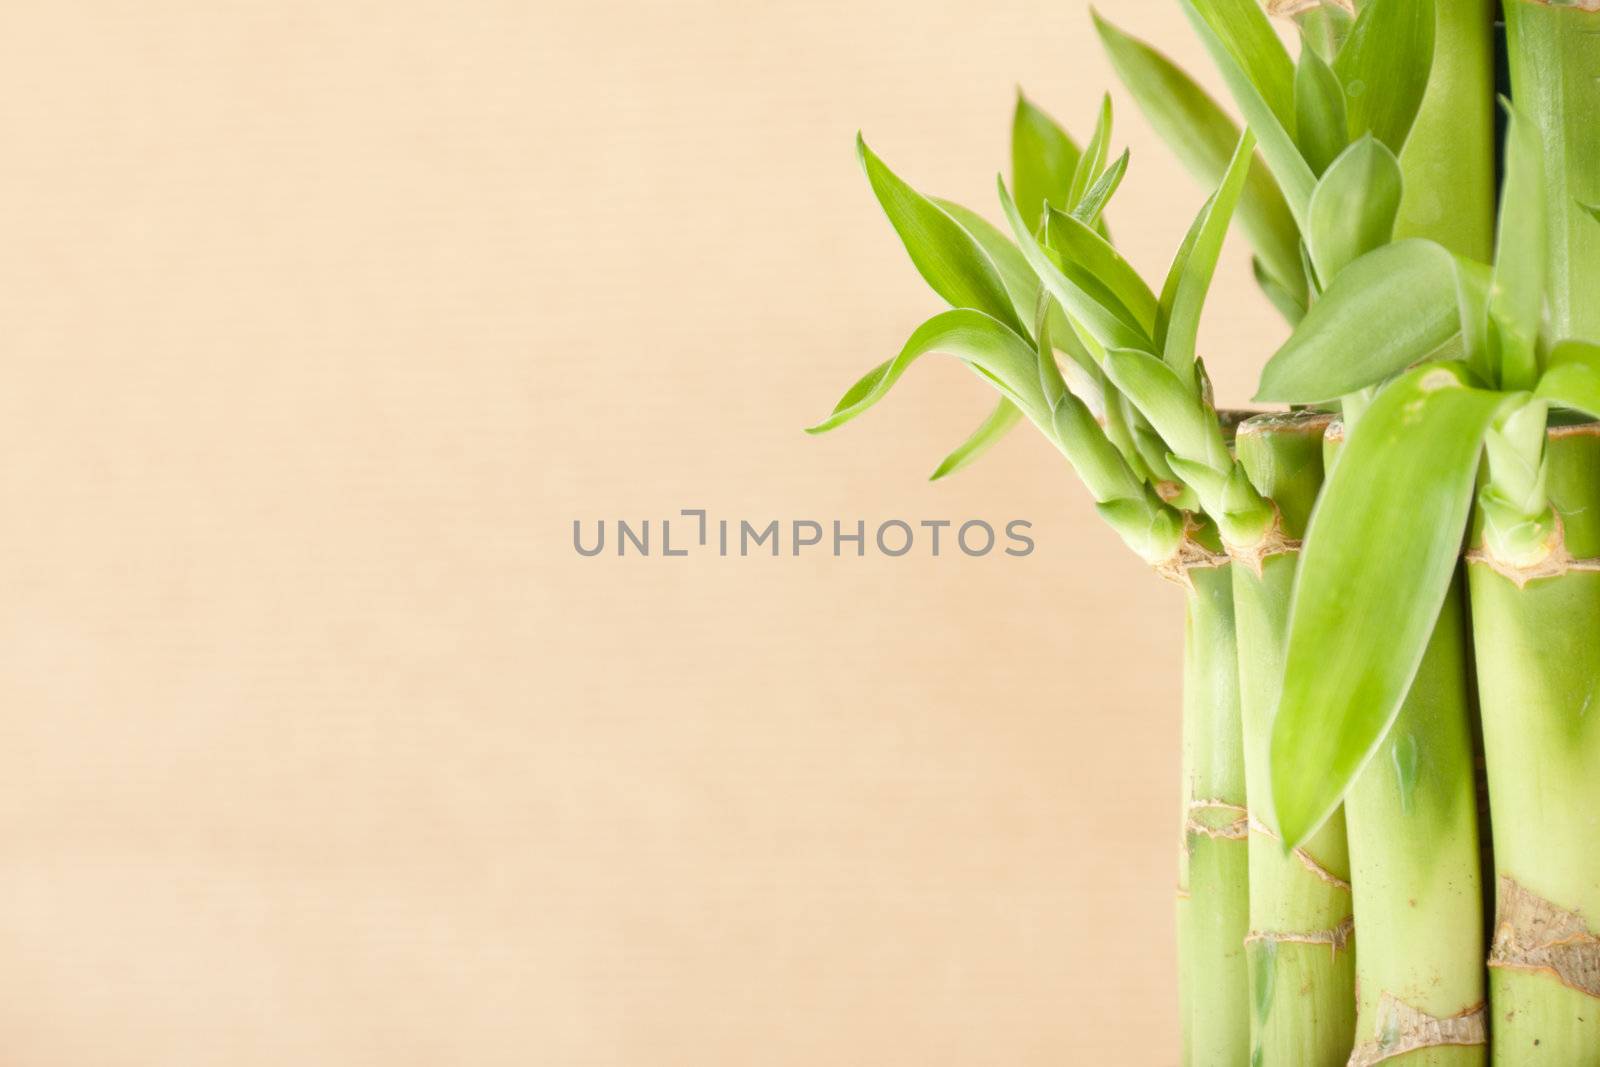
column 1384, row 66
column 950, row 259
column 1184, row 294
column 1203, row 137
column 1265, row 115
column 1248, row 36
column 1021, row 284
column 1572, row 379
column 1472, row 299
column 1094, row 157
column 1378, row 560
column 995, row 426
column 1169, row 400
column 1516, row 292
column 1043, row 159
column 978, row 340
column 1354, row 207
column 1102, row 323
column 1100, row 193
column 1389, row 309
column 1078, row 244
column 1320, row 123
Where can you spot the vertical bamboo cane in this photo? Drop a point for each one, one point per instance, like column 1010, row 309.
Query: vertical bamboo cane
column 1534, row 632
column 1412, row 821
column 1213, row 897
column 1301, row 947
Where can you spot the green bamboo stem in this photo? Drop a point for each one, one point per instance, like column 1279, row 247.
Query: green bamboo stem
column 1213, row 881
column 1448, row 160
column 1301, row 947
column 1412, row 823
column 1535, row 647
column 1554, row 52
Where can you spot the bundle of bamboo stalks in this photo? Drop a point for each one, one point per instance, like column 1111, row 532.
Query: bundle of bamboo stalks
column 1397, row 571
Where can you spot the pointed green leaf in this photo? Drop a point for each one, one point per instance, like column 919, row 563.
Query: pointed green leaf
column 1320, row 122
column 1021, row 284
column 1248, row 36
column 1389, row 309
column 1266, row 117
column 1094, row 157
column 1043, row 159
column 1100, row 193
column 1184, row 294
column 1102, row 324
column 1516, row 293
column 997, row 425
column 1378, row 560
column 1078, row 244
column 1170, row 401
column 982, row 342
column 1354, row 207
column 950, row 259
column 1203, row 137
column 1384, row 67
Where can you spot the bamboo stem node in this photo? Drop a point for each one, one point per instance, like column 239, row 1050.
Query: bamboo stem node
column 1275, row 542
column 1306, row 859
column 1190, row 555
column 1337, row 938
column 1237, row 828
column 1534, row 934
column 1555, row 562
column 1404, row 1029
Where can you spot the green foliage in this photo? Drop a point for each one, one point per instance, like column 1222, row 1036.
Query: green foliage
column 1394, row 306
column 949, row 258
column 995, row 426
column 1354, row 207
column 1516, row 291
column 1080, row 294
column 1043, row 160
column 1321, row 126
column 1572, row 377
column 1260, row 76
column 1077, row 244
column 1189, row 280
column 1384, row 67
column 1203, row 137
column 1378, row 560
column 981, row 341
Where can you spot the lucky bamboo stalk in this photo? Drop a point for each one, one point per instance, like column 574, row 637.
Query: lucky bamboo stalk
column 1214, row 881
column 1412, row 823
column 1535, row 625
column 1301, row 947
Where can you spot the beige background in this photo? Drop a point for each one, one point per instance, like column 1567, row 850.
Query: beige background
column 323, row 321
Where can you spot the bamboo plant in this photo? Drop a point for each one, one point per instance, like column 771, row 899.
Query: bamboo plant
column 1073, row 339
column 1357, row 136
column 1443, row 379
column 1381, row 560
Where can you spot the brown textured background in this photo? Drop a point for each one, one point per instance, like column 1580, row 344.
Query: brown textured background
column 323, row 321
